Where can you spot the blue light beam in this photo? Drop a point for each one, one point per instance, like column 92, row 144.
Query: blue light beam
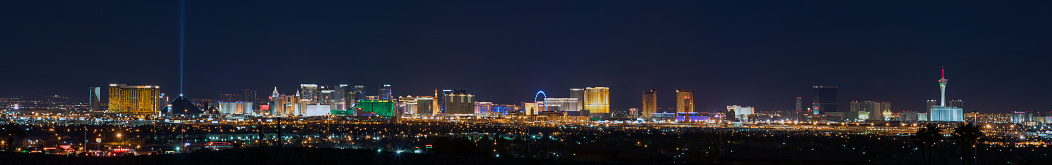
column 182, row 41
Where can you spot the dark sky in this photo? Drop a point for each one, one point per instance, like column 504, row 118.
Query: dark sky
column 762, row 54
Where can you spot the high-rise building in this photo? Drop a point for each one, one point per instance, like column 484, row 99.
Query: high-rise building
column 94, row 98
column 799, row 111
column 740, row 112
column 563, row 104
column 277, row 105
column 134, row 100
column 426, row 105
column 825, row 99
column 684, row 100
column 309, row 91
column 579, row 94
column 359, row 92
column 484, row 107
column 325, row 97
column 385, row 92
column 874, row 109
column 442, row 100
column 597, row 100
column 931, row 103
column 529, row 108
column 943, row 112
column 649, row 103
column 405, row 105
column 460, row 102
column 340, row 97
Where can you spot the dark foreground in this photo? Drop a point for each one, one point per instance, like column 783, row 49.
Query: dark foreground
column 272, row 155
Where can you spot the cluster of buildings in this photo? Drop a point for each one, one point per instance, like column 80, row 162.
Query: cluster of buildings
column 582, row 103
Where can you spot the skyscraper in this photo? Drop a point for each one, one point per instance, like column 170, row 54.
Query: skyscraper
column 460, row 102
column 309, row 91
column 134, row 100
column 359, row 92
column 385, row 92
column 943, row 112
column 277, row 104
column 426, row 105
column 798, row 113
column 94, row 98
column 684, row 100
column 597, row 100
column 442, row 100
column 339, row 97
column 649, row 103
column 579, row 94
column 825, row 99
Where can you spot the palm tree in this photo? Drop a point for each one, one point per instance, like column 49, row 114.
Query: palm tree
column 968, row 136
column 926, row 137
column 12, row 131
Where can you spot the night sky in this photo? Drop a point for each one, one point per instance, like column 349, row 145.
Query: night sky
column 737, row 52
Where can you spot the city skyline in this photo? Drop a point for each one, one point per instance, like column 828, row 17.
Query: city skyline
column 894, row 64
column 525, row 82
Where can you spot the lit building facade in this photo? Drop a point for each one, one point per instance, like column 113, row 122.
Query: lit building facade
column 309, row 91
column 874, row 109
column 235, row 107
column 563, row 104
column 377, row 107
column 649, row 103
column 684, row 100
column 94, row 98
column 339, row 100
column 597, row 99
column 484, row 107
column 459, row 103
column 426, row 105
column 385, row 92
column 740, row 112
column 579, row 94
column 134, row 100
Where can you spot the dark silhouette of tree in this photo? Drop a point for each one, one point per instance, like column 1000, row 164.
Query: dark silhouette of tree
column 967, row 137
column 12, row 131
column 926, row 137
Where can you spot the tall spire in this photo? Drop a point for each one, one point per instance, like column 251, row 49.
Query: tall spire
column 942, row 87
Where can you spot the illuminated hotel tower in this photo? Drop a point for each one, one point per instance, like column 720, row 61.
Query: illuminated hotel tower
column 134, row 100
column 385, row 92
column 684, row 100
column 94, row 97
column 579, row 94
column 597, row 99
column 649, row 103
